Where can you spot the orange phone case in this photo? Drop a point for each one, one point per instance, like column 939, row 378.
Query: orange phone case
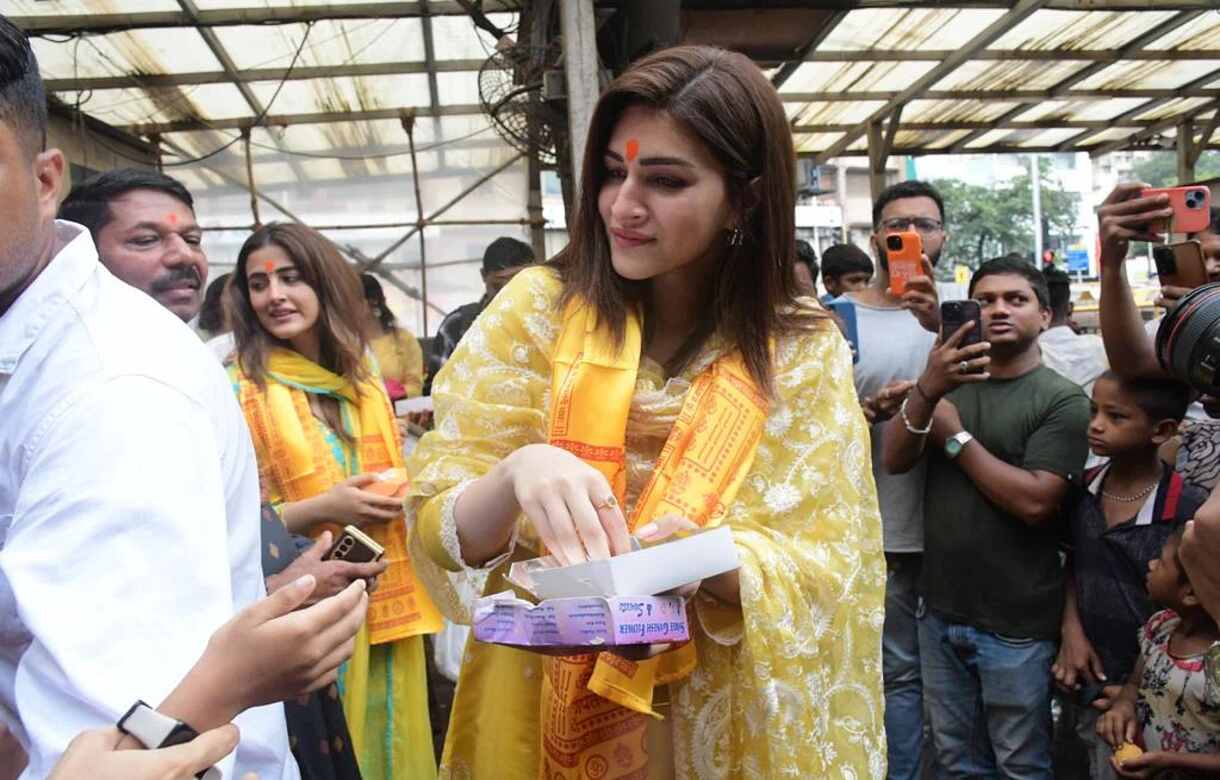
column 1191, row 208
column 905, row 263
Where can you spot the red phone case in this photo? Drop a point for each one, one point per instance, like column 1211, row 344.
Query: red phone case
column 1191, row 209
column 904, row 264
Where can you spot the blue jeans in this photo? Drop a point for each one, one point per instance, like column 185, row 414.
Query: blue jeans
column 989, row 698
column 900, row 667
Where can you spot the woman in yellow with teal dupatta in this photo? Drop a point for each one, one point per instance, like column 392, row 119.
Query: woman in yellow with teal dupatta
column 323, row 429
column 662, row 370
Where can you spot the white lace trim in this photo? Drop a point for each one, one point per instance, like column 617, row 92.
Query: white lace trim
column 453, row 544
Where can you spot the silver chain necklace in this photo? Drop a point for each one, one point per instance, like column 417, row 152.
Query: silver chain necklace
column 1129, row 499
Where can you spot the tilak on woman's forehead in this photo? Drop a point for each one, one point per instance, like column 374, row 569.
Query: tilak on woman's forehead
column 633, row 149
column 269, row 265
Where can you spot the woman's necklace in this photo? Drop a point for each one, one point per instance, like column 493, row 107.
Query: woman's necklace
column 1136, row 497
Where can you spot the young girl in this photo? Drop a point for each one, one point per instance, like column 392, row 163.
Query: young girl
column 323, row 430
column 399, row 356
column 663, row 366
column 1171, row 704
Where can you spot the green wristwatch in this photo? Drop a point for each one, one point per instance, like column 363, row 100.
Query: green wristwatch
column 956, row 443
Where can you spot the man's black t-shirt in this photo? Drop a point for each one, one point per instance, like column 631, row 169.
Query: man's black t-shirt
column 1110, row 564
column 982, row 566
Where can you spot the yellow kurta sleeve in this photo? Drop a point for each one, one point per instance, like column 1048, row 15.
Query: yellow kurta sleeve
column 489, row 399
column 790, row 684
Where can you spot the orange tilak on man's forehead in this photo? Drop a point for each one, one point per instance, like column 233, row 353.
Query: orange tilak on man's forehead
column 171, row 218
column 633, row 149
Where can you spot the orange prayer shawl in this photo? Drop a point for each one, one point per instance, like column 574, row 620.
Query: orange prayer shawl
column 595, row 707
column 295, row 459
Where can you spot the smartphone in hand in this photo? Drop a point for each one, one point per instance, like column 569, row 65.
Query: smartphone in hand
column 355, row 546
column 845, row 310
column 1191, row 209
column 954, row 314
column 904, row 259
column 1181, row 265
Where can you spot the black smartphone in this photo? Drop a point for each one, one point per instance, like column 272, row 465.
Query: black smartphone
column 355, row 546
column 953, row 314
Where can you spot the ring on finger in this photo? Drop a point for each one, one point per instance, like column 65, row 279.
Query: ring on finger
column 609, row 502
column 963, row 367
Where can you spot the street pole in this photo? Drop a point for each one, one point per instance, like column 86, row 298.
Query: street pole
column 1035, row 178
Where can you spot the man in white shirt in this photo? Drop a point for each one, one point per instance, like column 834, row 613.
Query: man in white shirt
column 895, row 335
column 128, row 487
column 1078, row 357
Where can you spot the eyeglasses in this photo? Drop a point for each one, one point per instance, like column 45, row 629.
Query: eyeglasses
column 921, row 224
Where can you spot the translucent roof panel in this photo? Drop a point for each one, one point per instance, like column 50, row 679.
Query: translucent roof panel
column 954, row 110
column 1050, row 137
column 1150, row 74
column 330, row 43
column 838, row 113
column 1000, row 75
column 456, row 37
column 312, row 96
column 1051, row 29
column 161, row 50
column 814, row 142
column 855, row 76
column 888, row 28
column 212, row 5
column 161, row 104
column 1084, row 110
column 76, row 7
column 1172, row 108
column 1203, row 33
column 459, row 88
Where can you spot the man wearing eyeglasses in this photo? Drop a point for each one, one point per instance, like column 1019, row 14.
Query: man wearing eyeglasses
column 895, row 335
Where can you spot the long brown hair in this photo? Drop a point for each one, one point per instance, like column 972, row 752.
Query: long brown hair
column 724, row 99
column 341, row 307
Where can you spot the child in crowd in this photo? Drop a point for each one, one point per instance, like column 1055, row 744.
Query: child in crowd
column 845, row 268
column 1171, row 703
column 1118, row 523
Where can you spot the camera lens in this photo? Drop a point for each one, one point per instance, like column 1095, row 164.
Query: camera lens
column 1193, row 199
column 1188, row 340
column 893, row 242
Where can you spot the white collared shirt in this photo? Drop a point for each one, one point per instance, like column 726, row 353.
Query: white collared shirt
column 129, row 511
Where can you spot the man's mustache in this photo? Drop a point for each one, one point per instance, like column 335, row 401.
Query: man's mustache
column 175, row 277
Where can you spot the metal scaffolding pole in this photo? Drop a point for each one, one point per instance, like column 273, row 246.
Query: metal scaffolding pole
column 408, row 124
column 579, row 26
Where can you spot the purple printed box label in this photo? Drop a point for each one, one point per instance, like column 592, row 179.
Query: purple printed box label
column 580, row 622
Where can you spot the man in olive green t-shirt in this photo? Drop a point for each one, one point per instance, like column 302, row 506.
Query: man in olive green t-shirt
column 1002, row 445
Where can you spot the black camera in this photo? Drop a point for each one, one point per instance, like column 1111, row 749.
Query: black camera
column 1194, row 199
column 1188, row 340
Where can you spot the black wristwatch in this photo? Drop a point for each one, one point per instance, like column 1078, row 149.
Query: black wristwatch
column 155, row 730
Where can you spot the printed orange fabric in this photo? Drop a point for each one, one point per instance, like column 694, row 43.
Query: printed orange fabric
column 595, row 707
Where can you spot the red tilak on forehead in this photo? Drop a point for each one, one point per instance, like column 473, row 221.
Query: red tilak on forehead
column 269, row 265
column 633, row 149
column 171, row 219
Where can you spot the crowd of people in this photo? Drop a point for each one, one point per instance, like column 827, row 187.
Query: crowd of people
column 945, row 535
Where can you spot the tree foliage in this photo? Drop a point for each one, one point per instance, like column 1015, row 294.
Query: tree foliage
column 987, row 222
column 1160, row 169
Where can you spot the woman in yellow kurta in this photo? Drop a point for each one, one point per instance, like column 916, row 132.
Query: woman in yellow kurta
column 663, row 366
column 323, row 429
column 399, row 356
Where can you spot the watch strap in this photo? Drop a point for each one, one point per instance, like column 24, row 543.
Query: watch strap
column 155, row 730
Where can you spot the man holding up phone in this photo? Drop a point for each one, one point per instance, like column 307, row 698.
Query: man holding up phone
column 1001, row 447
column 894, row 335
